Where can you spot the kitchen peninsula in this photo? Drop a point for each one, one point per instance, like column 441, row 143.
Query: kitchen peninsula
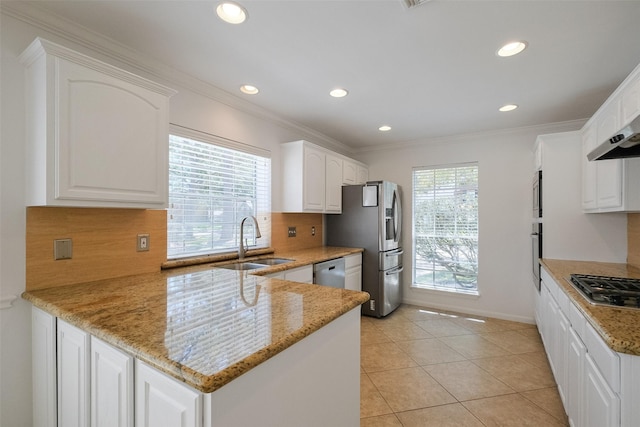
column 245, row 349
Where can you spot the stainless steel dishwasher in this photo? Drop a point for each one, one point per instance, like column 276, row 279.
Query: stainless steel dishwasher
column 329, row 273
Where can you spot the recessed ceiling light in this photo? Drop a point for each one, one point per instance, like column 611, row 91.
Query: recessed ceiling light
column 384, row 128
column 231, row 12
column 512, row 48
column 249, row 89
column 339, row 93
column 508, row 107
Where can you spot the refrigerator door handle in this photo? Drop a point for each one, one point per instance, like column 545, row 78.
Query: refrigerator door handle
column 394, row 253
column 397, row 215
column 394, row 271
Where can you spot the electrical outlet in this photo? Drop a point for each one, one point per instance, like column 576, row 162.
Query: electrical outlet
column 62, row 249
column 313, row 231
column 143, row 242
column 292, row 232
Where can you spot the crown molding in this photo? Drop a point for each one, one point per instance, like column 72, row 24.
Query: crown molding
column 113, row 50
column 567, row 126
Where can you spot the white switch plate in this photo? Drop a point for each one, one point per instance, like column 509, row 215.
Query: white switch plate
column 143, row 243
column 62, row 249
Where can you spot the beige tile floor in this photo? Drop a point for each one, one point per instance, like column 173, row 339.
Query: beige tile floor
column 425, row 367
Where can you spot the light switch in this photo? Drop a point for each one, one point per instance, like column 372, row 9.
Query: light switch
column 143, row 243
column 62, row 249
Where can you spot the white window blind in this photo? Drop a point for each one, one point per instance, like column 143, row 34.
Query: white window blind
column 445, row 228
column 212, row 187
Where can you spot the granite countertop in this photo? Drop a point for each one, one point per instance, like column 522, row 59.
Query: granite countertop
column 202, row 325
column 619, row 327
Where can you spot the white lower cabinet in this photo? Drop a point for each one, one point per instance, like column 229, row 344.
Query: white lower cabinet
column 111, row 386
column 353, row 272
column 73, row 376
column 43, row 342
column 575, row 366
column 601, row 403
column 295, row 388
column 162, row 401
column 301, row 274
column 598, row 387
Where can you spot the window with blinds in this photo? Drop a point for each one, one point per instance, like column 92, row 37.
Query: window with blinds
column 445, row 228
column 213, row 184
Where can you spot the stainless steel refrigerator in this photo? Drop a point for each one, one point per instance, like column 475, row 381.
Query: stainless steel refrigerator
column 372, row 219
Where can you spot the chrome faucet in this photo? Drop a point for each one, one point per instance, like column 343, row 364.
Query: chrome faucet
column 241, row 249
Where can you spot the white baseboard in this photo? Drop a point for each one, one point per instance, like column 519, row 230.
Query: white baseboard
column 483, row 313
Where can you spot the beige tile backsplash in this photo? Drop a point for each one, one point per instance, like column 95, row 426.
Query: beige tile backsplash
column 104, row 244
column 280, row 223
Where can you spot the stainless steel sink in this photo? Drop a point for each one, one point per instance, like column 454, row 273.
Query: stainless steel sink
column 272, row 261
column 241, row 266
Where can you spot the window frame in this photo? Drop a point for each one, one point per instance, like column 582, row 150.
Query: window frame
column 451, row 289
column 261, row 210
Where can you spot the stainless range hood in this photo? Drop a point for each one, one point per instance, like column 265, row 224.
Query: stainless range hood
column 625, row 143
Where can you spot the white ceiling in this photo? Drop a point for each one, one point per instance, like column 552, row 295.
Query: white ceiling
column 428, row 72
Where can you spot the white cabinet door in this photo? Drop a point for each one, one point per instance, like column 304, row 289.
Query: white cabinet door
column 301, row 274
column 97, row 135
column 349, row 172
column 562, row 355
column 43, row 339
column 363, row 175
column 609, row 172
column 115, row 149
column 161, row 401
column 575, row 379
column 111, row 386
column 333, row 188
column 353, row 272
column 73, row 376
column 314, row 174
column 631, row 102
column 601, row 404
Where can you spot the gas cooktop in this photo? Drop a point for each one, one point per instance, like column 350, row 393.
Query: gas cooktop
column 610, row 291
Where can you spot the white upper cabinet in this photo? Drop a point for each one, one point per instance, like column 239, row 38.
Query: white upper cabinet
column 314, row 179
column 631, row 102
column 609, row 172
column 349, row 172
column 612, row 185
column 313, row 176
column 333, row 190
column 362, row 175
column 96, row 135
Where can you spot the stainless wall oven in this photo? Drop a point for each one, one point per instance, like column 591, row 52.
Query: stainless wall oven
column 536, row 229
column 536, row 252
column 537, row 195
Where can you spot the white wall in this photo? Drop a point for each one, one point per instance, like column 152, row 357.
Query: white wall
column 505, row 162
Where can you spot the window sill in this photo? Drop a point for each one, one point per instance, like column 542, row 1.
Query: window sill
column 468, row 295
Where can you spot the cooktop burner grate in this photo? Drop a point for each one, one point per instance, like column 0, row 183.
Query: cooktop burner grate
column 611, row 291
